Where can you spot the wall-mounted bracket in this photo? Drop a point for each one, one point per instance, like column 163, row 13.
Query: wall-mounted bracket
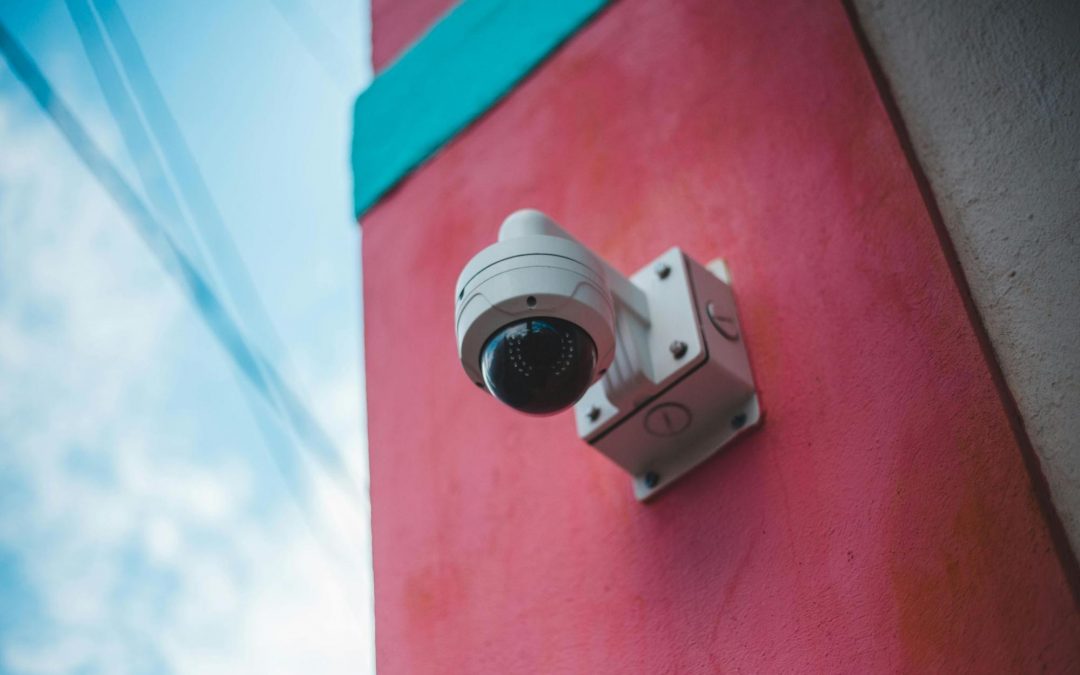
column 693, row 391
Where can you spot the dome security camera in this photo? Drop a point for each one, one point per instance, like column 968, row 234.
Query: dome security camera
column 654, row 365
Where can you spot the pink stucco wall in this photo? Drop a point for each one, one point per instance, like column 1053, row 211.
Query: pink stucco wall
column 398, row 23
column 882, row 518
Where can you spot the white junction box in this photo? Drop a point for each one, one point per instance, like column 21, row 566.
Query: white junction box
column 694, row 393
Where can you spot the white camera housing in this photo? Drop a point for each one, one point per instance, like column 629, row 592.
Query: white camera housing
column 535, row 269
column 671, row 382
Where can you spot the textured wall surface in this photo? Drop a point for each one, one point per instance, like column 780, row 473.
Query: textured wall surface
column 990, row 94
column 464, row 64
column 882, row 519
column 400, row 23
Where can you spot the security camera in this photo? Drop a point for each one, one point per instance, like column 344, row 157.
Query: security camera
column 654, row 365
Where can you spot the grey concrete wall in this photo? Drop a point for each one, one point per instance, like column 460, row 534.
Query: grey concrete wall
column 990, row 95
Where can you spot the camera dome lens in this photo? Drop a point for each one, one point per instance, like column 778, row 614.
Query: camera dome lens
column 538, row 366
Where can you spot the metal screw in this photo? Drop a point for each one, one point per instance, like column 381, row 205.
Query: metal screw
column 594, row 414
column 678, row 349
column 652, row 479
column 738, row 421
column 663, row 270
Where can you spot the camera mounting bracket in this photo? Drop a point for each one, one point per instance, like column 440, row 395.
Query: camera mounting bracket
column 680, row 387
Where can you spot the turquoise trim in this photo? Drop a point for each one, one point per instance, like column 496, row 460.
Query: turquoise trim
column 463, row 65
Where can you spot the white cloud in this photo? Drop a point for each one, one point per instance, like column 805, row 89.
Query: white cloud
column 146, row 540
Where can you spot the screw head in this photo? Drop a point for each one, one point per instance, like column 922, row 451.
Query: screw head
column 651, row 479
column 663, row 270
column 739, row 421
column 594, row 414
column 678, row 349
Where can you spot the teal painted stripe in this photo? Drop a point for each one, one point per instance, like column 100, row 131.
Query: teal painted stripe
column 460, row 68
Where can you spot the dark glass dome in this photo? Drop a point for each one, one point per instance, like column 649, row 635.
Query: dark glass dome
column 538, row 366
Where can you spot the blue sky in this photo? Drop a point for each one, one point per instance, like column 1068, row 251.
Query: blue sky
column 157, row 515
